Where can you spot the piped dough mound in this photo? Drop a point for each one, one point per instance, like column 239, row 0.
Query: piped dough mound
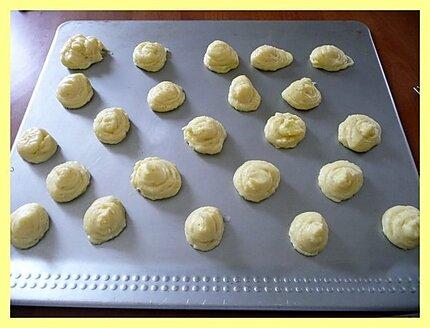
column 205, row 135
column 401, row 225
column 269, row 58
column 28, row 225
column 111, row 125
column 150, row 56
column 36, row 145
column 242, row 95
column 330, row 58
column 220, row 57
column 204, row 228
column 340, row 180
column 284, row 130
column 104, row 219
column 165, row 96
column 74, row 91
column 80, row 52
column 156, row 178
column 67, row 181
column 302, row 94
column 359, row 133
column 309, row 233
column 256, row 180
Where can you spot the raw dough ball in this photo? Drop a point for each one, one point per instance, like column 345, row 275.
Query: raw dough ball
column 36, row 145
column 111, row 125
column 340, row 180
column 401, row 225
column 330, row 58
column 269, row 58
column 204, row 228
column 309, row 233
column 150, row 56
column 156, row 178
column 256, row 180
column 79, row 52
column 104, row 219
column 205, row 135
column 74, row 91
column 28, row 224
column 220, row 57
column 284, row 130
column 302, row 94
column 359, row 133
column 165, row 96
column 242, row 95
column 67, row 181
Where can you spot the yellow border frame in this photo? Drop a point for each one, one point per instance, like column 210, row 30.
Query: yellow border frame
column 7, row 5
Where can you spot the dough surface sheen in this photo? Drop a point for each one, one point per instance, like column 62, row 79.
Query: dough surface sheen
column 284, row 130
column 150, row 56
column 74, row 91
column 204, row 228
column 401, row 225
column 28, row 225
column 111, row 125
column 36, row 145
column 359, row 133
column 165, row 96
column 330, row 58
column 242, row 95
column 269, row 58
column 302, row 94
column 220, row 57
column 80, row 52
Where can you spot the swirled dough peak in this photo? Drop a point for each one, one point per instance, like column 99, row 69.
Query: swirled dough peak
column 156, row 178
column 74, row 91
column 80, row 52
column 165, row 96
column 340, row 180
column 111, row 125
column 401, row 225
column 150, row 56
column 220, row 57
column 104, row 219
column 67, row 181
column 205, row 135
column 309, row 233
column 330, row 58
column 204, row 228
column 36, row 145
column 242, row 95
column 269, row 58
column 256, row 180
column 359, row 133
column 28, row 224
column 284, row 130
column 302, row 94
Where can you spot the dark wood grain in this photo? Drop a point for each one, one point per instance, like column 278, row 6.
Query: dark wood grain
column 396, row 35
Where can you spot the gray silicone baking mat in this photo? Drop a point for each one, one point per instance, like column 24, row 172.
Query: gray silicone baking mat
column 255, row 267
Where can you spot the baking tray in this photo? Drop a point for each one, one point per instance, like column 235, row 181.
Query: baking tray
column 150, row 265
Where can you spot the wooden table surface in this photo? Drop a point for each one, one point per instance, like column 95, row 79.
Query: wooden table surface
column 396, row 35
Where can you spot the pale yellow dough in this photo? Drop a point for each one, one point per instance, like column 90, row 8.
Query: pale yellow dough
column 204, row 228
column 220, row 57
column 284, row 130
column 242, row 95
column 111, row 125
column 150, row 56
column 156, row 178
column 67, row 181
column 256, row 180
column 330, row 58
column 269, row 58
column 340, row 180
column 359, row 133
column 74, row 91
column 80, row 52
column 28, row 225
column 309, row 233
column 36, row 145
column 401, row 225
column 104, row 219
column 205, row 135
column 165, row 96
column 302, row 94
